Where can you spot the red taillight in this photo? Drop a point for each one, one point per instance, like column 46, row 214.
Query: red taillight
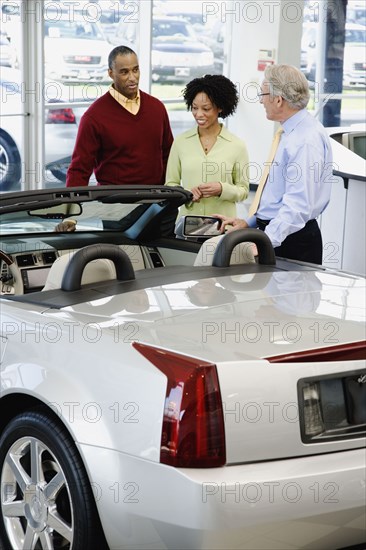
column 193, row 434
column 60, row 116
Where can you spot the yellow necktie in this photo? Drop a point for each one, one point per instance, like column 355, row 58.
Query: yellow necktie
column 276, row 140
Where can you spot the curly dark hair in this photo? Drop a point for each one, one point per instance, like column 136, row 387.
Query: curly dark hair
column 221, row 91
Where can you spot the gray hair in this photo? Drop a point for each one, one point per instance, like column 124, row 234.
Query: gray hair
column 288, row 82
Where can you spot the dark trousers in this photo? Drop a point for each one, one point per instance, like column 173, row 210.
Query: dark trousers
column 305, row 245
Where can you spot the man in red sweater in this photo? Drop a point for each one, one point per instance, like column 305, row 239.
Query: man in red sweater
column 125, row 135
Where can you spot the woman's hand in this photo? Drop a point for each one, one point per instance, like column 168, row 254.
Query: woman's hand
column 206, row 190
column 213, row 189
column 197, row 195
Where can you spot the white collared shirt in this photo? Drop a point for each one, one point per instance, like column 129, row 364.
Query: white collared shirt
column 299, row 183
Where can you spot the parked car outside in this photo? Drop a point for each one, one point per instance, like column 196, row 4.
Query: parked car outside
column 354, row 58
column 214, row 36
column 150, row 400
column 76, row 49
column 354, row 71
column 112, row 13
column 356, row 13
column 209, row 30
column 60, row 128
column 177, row 55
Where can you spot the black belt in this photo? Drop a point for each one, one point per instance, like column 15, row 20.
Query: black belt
column 262, row 224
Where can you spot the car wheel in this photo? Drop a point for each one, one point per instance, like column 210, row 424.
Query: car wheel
column 10, row 166
column 46, row 498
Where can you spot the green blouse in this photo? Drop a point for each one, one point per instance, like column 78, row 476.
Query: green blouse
column 227, row 162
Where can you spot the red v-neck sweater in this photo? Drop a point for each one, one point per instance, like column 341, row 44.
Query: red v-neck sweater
column 121, row 148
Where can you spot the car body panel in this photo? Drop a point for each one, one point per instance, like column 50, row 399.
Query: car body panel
column 130, row 406
column 236, row 336
column 291, row 319
column 236, row 507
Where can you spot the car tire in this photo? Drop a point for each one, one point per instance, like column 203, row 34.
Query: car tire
column 10, row 165
column 50, row 505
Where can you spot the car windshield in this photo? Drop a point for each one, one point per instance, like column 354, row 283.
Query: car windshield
column 107, row 209
column 94, row 216
column 77, row 28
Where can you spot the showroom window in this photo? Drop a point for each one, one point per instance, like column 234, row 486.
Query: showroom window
column 181, row 40
column 188, row 41
column 333, row 59
column 12, row 111
column 76, row 48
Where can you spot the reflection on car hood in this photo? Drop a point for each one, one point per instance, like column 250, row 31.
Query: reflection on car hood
column 255, row 316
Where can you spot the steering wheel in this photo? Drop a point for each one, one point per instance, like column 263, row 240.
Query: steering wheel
column 16, row 287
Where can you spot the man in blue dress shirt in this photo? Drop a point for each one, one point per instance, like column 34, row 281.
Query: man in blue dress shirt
column 298, row 186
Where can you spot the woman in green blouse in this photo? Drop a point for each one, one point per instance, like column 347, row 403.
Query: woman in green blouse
column 209, row 160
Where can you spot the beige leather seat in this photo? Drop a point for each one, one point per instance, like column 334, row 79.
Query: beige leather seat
column 97, row 270
column 242, row 253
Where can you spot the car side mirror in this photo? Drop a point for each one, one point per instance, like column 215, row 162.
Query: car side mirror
column 198, row 227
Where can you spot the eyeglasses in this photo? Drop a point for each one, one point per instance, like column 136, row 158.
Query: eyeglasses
column 263, row 93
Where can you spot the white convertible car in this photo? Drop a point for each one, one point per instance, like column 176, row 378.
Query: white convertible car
column 166, row 393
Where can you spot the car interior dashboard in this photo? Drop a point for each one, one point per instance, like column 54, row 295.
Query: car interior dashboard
column 35, row 256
